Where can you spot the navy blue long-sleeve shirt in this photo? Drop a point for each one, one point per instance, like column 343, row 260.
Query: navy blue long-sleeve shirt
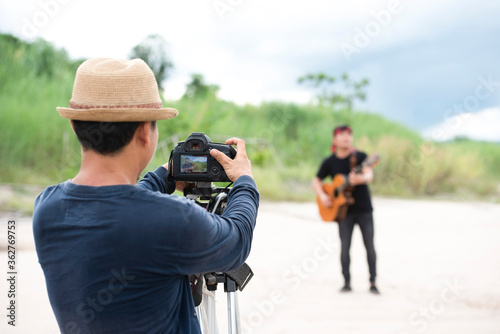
column 116, row 258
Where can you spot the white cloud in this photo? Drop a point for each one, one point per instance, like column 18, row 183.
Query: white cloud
column 257, row 51
column 481, row 125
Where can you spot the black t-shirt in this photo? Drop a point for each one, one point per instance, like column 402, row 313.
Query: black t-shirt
column 186, row 167
column 332, row 166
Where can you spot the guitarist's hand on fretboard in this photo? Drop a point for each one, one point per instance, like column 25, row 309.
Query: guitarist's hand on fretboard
column 356, row 178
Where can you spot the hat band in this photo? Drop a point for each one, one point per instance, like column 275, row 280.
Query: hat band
column 157, row 105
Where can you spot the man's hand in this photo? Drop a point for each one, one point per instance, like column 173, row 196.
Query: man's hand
column 238, row 166
column 326, row 200
column 355, row 179
column 180, row 185
column 317, row 185
column 365, row 177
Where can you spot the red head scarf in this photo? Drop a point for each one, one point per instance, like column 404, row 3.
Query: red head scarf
column 339, row 129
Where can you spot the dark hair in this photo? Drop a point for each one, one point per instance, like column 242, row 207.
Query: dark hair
column 340, row 128
column 106, row 138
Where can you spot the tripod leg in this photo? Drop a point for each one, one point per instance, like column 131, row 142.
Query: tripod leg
column 233, row 315
column 206, row 313
column 237, row 310
column 211, row 315
column 201, row 318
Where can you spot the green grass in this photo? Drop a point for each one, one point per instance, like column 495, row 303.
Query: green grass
column 286, row 142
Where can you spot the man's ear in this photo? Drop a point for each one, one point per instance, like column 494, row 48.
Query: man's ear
column 143, row 133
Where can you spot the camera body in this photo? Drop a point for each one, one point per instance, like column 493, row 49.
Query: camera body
column 191, row 161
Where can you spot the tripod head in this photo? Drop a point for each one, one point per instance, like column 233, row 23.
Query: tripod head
column 213, row 199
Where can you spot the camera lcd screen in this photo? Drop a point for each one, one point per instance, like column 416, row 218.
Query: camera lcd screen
column 193, row 164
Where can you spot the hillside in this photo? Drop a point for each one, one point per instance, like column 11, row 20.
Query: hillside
column 286, row 142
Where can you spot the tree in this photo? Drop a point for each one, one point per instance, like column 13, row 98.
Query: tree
column 337, row 97
column 153, row 50
column 199, row 89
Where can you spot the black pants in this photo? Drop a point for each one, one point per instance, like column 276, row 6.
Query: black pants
column 365, row 222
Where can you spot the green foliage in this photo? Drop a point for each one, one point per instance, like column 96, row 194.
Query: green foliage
column 153, row 50
column 286, row 142
column 199, row 89
column 35, row 143
column 341, row 98
column 418, row 167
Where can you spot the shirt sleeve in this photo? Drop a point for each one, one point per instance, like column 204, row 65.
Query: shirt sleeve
column 157, row 181
column 323, row 170
column 220, row 243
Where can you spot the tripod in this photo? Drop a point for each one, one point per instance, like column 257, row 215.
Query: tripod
column 205, row 285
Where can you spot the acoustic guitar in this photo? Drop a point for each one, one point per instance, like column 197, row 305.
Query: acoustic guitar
column 339, row 194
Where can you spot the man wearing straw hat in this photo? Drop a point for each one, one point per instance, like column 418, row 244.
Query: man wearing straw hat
column 116, row 253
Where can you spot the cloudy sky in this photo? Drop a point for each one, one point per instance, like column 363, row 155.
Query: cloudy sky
column 427, row 61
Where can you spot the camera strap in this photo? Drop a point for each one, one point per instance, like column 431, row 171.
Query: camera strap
column 169, row 183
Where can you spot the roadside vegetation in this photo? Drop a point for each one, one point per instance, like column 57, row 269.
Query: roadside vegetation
column 286, row 142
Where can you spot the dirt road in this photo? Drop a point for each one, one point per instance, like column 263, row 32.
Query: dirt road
column 438, row 271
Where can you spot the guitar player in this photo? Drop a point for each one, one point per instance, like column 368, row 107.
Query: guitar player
column 360, row 212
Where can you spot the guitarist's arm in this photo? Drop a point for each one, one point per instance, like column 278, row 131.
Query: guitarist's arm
column 317, row 185
column 365, row 177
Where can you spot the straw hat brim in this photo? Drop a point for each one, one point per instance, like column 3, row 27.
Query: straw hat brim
column 117, row 114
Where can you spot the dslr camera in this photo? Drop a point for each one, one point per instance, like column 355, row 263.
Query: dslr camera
column 191, row 161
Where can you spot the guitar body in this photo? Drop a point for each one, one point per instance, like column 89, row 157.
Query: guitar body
column 339, row 200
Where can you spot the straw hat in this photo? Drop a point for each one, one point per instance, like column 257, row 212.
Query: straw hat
column 115, row 90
